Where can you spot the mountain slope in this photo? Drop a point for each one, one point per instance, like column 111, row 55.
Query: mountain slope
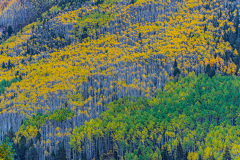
column 83, row 58
column 198, row 112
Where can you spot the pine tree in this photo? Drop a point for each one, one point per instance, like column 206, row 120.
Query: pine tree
column 10, row 135
column 31, row 144
column 236, row 21
column 98, row 2
column 38, row 136
column 16, row 147
column 53, row 155
column 9, row 64
column 185, row 156
column 209, row 71
column 179, row 151
column 22, row 148
column 227, row 155
column 208, row 68
column 165, row 154
column 140, row 35
column 175, row 64
column 205, row 28
column 220, row 13
column 3, row 65
column 199, row 157
column 61, row 152
column 176, row 72
column 20, row 77
column 9, row 30
column 32, row 154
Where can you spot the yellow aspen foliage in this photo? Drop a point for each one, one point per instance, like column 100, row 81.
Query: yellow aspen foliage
column 192, row 156
column 59, row 134
column 235, row 53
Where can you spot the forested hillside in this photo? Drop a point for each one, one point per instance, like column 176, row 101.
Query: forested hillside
column 68, row 68
column 19, row 13
column 192, row 118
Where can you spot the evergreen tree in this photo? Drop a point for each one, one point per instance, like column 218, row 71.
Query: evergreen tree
column 236, row 20
column 31, row 144
column 38, row 136
column 98, row 2
column 231, row 38
column 9, row 64
column 175, row 64
column 9, row 30
column 199, row 157
column 20, row 77
column 176, row 72
column 209, row 71
column 237, row 45
column 10, row 135
column 85, row 34
column 220, row 13
column 3, row 65
column 185, row 155
column 205, row 28
column 32, row 154
column 22, row 148
column 208, row 68
column 227, row 155
column 16, row 147
column 61, row 152
column 165, row 154
column 140, row 36
column 179, row 151
column 53, row 155
column 22, row 140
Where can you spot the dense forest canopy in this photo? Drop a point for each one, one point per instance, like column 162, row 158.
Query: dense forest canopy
column 199, row 114
column 105, row 79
